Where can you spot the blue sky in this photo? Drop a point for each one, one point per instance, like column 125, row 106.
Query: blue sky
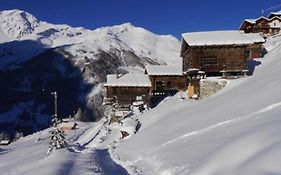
column 159, row 16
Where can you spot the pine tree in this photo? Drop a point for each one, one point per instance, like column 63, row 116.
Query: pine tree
column 57, row 139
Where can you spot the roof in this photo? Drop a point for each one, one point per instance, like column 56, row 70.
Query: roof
column 274, row 13
column 252, row 21
column 128, row 80
column 255, row 37
column 275, row 17
column 164, row 70
column 228, row 37
column 67, row 124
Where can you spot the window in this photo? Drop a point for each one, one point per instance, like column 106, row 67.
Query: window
column 138, row 98
column 169, row 85
column 160, row 85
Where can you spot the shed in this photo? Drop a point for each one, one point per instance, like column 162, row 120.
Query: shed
column 5, row 142
column 128, row 88
column 67, row 126
column 215, row 52
column 166, row 78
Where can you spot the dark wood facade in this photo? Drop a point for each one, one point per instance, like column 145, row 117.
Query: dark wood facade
column 127, row 95
column 215, row 59
column 255, row 50
column 163, row 84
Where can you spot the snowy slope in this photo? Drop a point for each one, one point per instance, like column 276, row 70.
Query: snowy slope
column 3, row 37
column 40, row 57
column 28, row 155
column 236, row 131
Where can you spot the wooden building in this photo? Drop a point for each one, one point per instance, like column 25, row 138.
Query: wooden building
column 166, row 79
column 215, row 52
column 255, row 49
column 5, row 142
column 127, row 88
column 261, row 25
column 67, row 126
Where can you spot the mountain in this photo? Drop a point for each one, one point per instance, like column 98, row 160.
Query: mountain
column 40, row 57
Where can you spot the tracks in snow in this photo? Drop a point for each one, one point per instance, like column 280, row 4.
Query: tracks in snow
column 221, row 124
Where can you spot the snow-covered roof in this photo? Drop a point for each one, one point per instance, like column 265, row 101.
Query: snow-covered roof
column 255, row 37
column 164, row 69
column 228, row 37
column 252, row 21
column 4, row 142
column 274, row 13
column 128, row 80
column 67, row 124
column 275, row 17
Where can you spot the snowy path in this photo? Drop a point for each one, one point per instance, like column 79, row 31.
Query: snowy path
column 80, row 157
column 107, row 165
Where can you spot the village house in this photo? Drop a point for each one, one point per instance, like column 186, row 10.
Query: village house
column 166, row 79
column 215, row 52
column 67, row 126
column 127, row 88
column 267, row 26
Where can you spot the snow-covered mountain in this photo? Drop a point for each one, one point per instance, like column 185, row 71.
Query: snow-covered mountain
column 38, row 57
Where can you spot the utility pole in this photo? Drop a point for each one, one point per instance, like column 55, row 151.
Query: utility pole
column 56, row 103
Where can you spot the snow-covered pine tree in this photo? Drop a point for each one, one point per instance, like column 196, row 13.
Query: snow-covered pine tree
column 57, row 139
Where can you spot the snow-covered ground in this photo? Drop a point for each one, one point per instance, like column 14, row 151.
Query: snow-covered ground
column 236, row 131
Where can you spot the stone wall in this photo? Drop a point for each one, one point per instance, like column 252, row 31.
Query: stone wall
column 209, row 87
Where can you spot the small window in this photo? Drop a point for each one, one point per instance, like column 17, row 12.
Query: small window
column 169, row 85
column 139, row 98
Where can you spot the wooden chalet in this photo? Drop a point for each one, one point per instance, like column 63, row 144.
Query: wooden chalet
column 127, row 88
column 166, row 79
column 215, row 52
column 255, row 49
column 261, row 25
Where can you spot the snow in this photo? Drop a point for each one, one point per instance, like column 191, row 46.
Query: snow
column 83, row 43
column 255, row 37
column 235, row 131
column 228, row 37
column 252, row 21
column 3, row 37
column 128, row 80
column 164, row 70
column 275, row 13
